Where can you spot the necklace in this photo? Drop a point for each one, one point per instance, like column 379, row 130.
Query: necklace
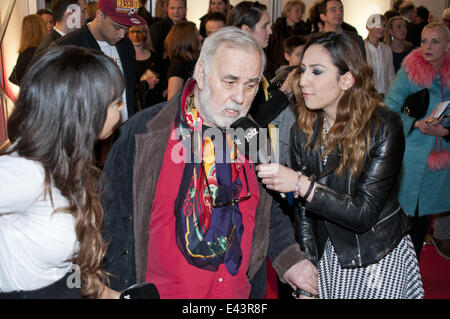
column 324, row 134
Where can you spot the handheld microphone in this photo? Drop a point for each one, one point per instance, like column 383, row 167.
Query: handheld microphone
column 251, row 140
column 140, row 291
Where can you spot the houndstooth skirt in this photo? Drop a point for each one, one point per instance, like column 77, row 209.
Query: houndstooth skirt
column 396, row 276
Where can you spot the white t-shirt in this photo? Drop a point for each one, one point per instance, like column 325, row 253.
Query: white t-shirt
column 381, row 60
column 111, row 51
column 35, row 244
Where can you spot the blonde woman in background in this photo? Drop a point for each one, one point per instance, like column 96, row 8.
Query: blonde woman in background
column 148, row 70
column 34, row 30
column 290, row 23
column 395, row 37
column 424, row 186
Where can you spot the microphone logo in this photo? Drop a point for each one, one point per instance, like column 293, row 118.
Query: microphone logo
column 251, row 134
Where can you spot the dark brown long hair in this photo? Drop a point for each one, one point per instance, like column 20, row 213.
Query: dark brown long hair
column 356, row 109
column 246, row 13
column 182, row 42
column 60, row 111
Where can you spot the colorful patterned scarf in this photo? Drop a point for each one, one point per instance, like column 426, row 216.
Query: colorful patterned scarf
column 208, row 236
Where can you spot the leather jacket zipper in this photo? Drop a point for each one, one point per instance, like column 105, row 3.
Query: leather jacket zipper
column 386, row 218
column 359, row 251
column 349, row 183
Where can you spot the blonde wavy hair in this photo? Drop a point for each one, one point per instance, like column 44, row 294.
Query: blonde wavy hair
column 388, row 39
column 290, row 4
column 356, row 109
column 34, row 31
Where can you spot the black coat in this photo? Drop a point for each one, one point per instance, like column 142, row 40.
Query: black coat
column 83, row 38
column 23, row 63
column 158, row 33
column 361, row 216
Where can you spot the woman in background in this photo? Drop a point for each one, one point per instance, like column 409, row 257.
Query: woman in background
column 182, row 47
column 290, row 23
column 34, row 30
column 148, row 70
column 50, row 211
column 424, row 188
column 396, row 39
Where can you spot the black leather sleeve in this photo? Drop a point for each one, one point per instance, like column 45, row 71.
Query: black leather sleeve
column 360, row 210
column 305, row 226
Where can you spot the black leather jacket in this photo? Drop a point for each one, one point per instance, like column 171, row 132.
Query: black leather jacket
column 361, row 217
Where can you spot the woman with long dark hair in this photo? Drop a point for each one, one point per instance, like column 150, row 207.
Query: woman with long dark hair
column 348, row 150
column 50, row 211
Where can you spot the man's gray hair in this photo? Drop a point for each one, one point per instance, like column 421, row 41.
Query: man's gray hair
column 231, row 37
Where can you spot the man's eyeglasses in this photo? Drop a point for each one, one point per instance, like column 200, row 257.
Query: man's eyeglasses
column 236, row 193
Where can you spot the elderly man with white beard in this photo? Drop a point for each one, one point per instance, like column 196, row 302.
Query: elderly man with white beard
column 184, row 209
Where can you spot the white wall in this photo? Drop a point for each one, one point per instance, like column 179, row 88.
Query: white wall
column 356, row 13
column 196, row 9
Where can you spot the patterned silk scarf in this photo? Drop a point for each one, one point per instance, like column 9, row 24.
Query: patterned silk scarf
column 208, row 236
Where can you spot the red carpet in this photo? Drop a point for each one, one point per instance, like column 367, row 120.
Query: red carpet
column 272, row 283
column 435, row 271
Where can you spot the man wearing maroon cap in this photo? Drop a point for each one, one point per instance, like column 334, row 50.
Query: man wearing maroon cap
column 106, row 33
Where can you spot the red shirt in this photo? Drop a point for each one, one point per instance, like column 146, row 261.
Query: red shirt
column 166, row 266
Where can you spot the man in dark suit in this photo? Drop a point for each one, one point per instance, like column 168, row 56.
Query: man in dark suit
column 106, row 33
column 63, row 14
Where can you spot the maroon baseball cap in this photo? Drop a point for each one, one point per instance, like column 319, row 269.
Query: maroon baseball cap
column 123, row 12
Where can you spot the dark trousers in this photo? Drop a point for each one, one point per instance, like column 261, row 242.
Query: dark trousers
column 57, row 290
column 419, row 229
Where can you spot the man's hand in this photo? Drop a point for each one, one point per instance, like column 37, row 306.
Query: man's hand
column 108, row 293
column 152, row 83
column 302, row 275
column 277, row 177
